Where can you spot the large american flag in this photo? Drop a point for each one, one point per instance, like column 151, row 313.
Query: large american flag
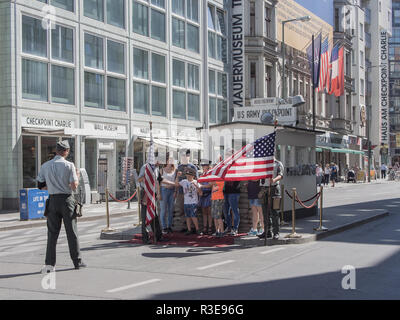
column 253, row 162
column 324, row 68
column 150, row 184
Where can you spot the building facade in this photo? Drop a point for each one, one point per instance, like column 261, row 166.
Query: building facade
column 96, row 72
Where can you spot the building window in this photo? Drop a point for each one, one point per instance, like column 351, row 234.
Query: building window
column 43, row 80
column 193, row 10
column 62, row 44
column 217, row 97
column 178, row 33
column 34, row 80
column 193, row 38
column 111, row 90
column 34, row 37
column 115, row 57
column 157, row 25
column 361, row 32
column 140, row 17
column 193, row 77
column 94, row 90
column 116, row 13
column 159, row 3
column 140, row 63
column 178, row 73
column 252, row 19
column 178, row 7
column 216, row 33
column 63, row 4
column 193, row 107
column 268, row 23
column 362, row 59
column 362, row 89
column 149, row 90
column 179, row 104
column 62, row 85
column 253, row 80
column 94, row 9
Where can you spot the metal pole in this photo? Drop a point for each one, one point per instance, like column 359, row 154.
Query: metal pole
column 313, row 81
column 293, row 234
column 321, row 227
column 108, row 228
column 282, row 204
column 283, row 62
column 268, row 214
column 369, row 143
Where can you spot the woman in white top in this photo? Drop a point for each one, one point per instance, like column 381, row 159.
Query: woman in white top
column 327, row 173
column 167, row 201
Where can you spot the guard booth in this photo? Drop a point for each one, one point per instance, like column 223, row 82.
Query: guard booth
column 295, row 148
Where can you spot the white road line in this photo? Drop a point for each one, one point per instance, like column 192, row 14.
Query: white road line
column 133, row 285
column 272, row 250
column 215, row 265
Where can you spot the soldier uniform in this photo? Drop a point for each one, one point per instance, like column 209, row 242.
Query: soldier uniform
column 274, row 218
column 58, row 174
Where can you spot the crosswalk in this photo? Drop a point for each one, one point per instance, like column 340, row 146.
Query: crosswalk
column 24, row 241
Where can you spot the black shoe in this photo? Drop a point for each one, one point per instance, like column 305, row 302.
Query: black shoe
column 79, row 264
column 262, row 235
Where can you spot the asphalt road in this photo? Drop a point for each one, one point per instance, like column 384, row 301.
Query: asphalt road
column 118, row 270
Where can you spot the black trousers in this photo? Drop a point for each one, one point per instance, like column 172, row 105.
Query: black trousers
column 61, row 208
column 156, row 222
column 273, row 220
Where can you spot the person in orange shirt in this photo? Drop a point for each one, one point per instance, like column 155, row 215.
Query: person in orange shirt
column 217, row 207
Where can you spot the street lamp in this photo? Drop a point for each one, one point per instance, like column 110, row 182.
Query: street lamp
column 302, row 19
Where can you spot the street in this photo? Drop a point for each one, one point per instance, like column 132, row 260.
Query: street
column 121, row 270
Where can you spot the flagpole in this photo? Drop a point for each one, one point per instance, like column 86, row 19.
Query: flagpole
column 313, row 81
column 154, row 219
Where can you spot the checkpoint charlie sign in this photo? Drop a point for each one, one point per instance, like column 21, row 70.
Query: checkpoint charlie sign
column 284, row 114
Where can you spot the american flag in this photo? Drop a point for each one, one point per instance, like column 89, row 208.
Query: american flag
column 150, row 184
column 253, row 162
column 324, row 68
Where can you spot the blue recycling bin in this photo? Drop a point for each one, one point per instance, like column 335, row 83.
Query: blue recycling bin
column 32, row 203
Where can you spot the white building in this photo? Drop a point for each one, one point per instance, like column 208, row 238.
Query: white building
column 97, row 77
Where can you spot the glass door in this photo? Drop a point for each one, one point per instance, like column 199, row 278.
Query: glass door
column 29, row 161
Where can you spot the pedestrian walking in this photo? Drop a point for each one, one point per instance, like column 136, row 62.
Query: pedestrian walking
column 319, row 174
column 327, row 173
column 205, row 201
column 253, row 189
column 276, row 197
column 59, row 177
column 191, row 192
column 217, row 207
column 168, row 194
column 334, row 172
column 383, row 170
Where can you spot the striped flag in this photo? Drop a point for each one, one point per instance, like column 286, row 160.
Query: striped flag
column 253, row 162
column 324, row 68
column 150, row 184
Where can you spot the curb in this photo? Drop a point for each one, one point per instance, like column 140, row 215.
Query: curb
column 126, row 234
column 252, row 241
column 83, row 219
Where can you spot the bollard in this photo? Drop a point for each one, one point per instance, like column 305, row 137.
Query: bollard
column 268, row 213
column 108, row 229
column 283, row 223
column 139, row 205
column 129, row 194
column 321, row 227
column 293, row 234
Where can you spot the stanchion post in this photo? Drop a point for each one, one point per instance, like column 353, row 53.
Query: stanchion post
column 139, row 205
column 266, row 220
column 321, row 227
column 293, row 234
column 129, row 194
column 107, row 229
column 283, row 223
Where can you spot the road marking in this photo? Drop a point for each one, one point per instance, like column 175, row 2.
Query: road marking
column 133, row 285
column 215, row 265
column 273, row 250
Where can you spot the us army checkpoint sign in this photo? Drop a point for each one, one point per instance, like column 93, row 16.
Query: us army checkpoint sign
column 285, row 114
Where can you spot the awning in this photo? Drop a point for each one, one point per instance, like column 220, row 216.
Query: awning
column 347, row 151
column 175, row 144
column 320, row 149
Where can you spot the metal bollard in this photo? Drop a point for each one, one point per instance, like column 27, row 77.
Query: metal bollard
column 321, row 227
column 283, row 223
column 107, row 229
column 293, row 234
column 139, row 205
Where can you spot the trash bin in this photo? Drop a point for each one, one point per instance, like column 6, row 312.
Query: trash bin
column 32, row 203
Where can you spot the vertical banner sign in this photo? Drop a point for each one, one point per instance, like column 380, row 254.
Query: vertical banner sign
column 384, row 79
column 237, row 22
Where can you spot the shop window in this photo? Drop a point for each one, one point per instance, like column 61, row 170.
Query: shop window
column 48, row 148
column 29, row 161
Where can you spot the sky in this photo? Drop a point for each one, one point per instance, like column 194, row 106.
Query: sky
column 321, row 8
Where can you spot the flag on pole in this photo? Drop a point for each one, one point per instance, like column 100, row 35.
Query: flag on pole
column 324, row 68
column 315, row 66
column 337, row 76
column 150, row 183
column 253, row 162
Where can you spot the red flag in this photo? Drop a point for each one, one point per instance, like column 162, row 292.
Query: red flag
column 337, row 75
column 340, row 90
column 150, row 184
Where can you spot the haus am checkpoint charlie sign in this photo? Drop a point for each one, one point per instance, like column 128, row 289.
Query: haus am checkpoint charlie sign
column 285, row 114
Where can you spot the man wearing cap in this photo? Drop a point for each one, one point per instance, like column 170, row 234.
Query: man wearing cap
column 60, row 178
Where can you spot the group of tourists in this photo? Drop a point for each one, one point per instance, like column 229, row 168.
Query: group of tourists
column 216, row 203
column 326, row 174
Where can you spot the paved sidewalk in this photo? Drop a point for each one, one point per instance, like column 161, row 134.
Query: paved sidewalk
column 11, row 221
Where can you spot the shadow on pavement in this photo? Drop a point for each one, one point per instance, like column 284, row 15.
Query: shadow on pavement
column 17, row 275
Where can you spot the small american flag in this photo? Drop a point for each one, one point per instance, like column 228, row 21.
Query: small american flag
column 253, row 162
column 150, row 184
column 324, row 69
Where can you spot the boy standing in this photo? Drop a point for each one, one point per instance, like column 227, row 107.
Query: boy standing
column 191, row 191
column 217, row 207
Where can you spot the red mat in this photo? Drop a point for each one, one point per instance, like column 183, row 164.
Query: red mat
column 192, row 240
